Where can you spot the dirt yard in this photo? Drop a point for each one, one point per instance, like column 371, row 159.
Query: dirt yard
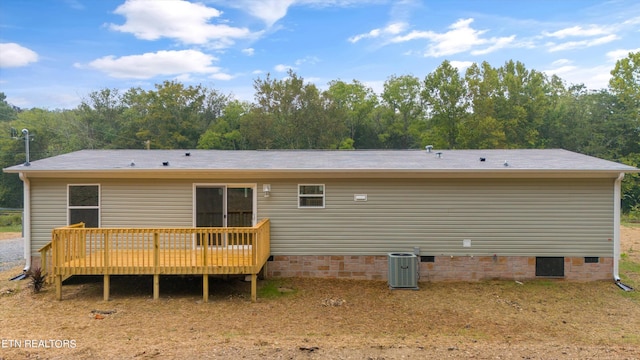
column 9, row 235
column 321, row 319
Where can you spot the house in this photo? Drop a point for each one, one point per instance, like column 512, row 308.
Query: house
column 467, row 214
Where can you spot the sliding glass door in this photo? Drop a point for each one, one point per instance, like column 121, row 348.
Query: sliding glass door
column 224, row 206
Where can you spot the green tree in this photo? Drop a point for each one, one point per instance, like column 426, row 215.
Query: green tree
column 520, row 103
column 99, row 116
column 296, row 114
column 7, row 111
column 445, row 96
column 403, row 112
column 172, row 116
column 354, row 103
column 10, row 151
column 625, row 86
column 224, row 132
column 481, row 129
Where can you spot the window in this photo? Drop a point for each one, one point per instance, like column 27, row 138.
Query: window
column 84, row 205
column 310, row 196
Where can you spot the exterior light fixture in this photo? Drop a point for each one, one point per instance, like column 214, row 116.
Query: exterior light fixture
column 266, row 189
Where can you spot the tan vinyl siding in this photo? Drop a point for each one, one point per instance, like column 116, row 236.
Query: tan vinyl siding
column 517, row 217
column 123, row 203
column 48, row 210
column 140, row 203
column 571, row 217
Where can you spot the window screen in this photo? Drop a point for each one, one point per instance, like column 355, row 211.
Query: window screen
column 84, row 205
column 311, row 196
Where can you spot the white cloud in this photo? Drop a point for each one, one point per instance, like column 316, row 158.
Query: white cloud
column 149, row 65
column 561, row 71
column 561, row 62
column 311, row 60
column 221, row 76
column 248, row 51
column 578, row 31
column 594, row 78
column 632, row 21
column 553, row 47
column 269, row 11
column 461, row 65
column 14, row 55
column 283, row 68
column 176, row 19
column 616, row 55
column 498, row 43
column 391, row 29
column 460, row 38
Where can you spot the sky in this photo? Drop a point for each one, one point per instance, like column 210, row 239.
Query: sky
column 54, row 53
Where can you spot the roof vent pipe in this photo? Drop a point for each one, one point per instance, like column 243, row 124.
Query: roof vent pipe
column 439, row 155
column 429, row 148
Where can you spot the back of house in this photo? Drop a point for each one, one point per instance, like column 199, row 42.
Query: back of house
column 464, row 214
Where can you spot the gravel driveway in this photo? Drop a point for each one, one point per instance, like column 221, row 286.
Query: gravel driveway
column 11, row 253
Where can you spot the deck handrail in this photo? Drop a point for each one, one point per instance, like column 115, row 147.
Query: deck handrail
column 46, row 263
column 46, row 256
column 77, row 250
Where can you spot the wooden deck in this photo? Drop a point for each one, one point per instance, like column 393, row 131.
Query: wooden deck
column 76, row 250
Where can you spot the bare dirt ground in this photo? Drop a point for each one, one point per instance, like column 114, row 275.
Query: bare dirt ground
column 9, row 235
column 323, row 319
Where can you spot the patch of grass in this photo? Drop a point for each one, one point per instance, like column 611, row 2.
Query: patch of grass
column 274, row 288
column 630, row 275
column 11, row 228
column 631, row 219
column 544, row 283
column 630, row 266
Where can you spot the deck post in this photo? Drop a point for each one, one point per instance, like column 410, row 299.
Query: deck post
column 205, row 287
column 106, row 287
column 156, row 286
column 58, row 287
column 254, row 287
column 156, row 266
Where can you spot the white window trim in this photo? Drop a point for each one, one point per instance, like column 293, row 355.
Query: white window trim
column 323, row 196
column 69, row 207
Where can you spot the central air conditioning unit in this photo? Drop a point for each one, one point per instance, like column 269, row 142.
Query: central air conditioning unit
column 403, row 271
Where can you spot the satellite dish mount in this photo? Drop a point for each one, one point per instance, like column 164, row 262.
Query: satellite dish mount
column 27, row 139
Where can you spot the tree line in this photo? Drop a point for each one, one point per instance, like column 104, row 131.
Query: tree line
column 486, row 107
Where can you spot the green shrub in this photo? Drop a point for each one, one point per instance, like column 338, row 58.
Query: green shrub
column 11, row 219
column 631, row 216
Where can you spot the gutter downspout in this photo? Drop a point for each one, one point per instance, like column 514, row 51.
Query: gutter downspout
column 26, row 221
column 616, row 226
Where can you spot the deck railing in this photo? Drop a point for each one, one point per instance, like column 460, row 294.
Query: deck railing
column 77, row 250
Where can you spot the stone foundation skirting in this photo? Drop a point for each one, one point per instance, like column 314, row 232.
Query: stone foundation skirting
column 443, row 268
